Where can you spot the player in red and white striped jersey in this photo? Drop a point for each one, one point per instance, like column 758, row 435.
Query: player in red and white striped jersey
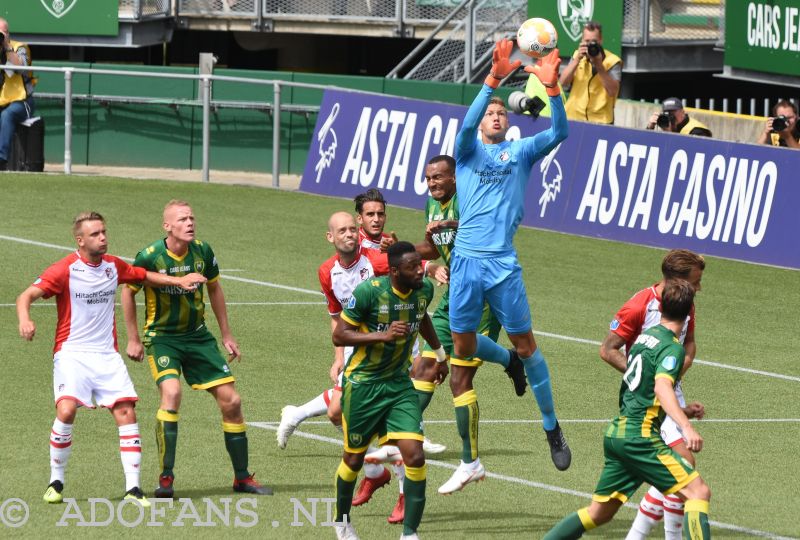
column 641, row 312
column 87, row 367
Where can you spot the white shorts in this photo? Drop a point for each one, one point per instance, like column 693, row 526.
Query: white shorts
column 670, row 432
column 92, row 378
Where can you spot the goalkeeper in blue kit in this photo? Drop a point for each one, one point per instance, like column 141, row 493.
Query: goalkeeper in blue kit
column 492, row 174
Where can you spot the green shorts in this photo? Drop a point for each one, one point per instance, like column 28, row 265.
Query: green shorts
column 386, row 409
column 489, row 326
column 196, row 355
column 631, row 462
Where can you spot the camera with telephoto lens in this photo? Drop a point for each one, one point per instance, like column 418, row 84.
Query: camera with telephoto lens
column 593, row 48
column 520, row 103
column 664, row 120
column 779, row 123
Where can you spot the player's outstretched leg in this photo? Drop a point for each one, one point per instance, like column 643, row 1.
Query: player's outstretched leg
column 539, row 379
column 489, row 351
column 292, row 416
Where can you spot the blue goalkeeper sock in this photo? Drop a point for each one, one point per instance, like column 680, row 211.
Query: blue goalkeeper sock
column 489, row 351
column 539, row 379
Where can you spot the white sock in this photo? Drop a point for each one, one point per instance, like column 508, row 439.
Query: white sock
column 372, row 470
column 651, row 510
column 400, row 473
column 60, row 449
column 673, row 517
column 472, row 465
column 316, row 407
column 130, row 452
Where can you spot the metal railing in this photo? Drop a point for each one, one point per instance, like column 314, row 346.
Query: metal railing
column 205, row 102
column 647, row 22
column 137, row 10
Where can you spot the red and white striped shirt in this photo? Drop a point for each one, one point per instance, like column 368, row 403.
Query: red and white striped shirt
column 85, row 295
column 338, row 282
column 641, row 312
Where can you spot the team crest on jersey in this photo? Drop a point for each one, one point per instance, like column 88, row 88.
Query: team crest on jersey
column 669, row 363
column 351, row 303
column 199, row 266
column 364, row 273
column 423, row 305
column 355, row 439
column 60, row 387
column 163, row 361
column 614, row 325
column 504, row 155
column 109, row 272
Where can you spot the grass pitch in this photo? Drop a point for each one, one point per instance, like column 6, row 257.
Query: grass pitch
column 269, row 244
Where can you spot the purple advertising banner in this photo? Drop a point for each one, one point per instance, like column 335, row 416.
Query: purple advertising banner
column 731, row 200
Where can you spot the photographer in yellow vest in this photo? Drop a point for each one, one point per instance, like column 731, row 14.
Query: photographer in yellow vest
column 16, row 90
column 594, row 75
column 673, row 118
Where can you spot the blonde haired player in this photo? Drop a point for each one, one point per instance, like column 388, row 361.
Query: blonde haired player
column 87, row 368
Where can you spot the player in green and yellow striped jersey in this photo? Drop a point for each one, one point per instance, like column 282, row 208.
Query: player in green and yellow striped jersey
column 381, row 323
column 177, row 341
column 634, row 451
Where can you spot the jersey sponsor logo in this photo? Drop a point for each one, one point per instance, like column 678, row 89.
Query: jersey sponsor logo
column 199, row 266
column 403, row 307
column 351, row 303
column 176, row 269
column 614, row 324
column 327, row 142
column 669, row 363
column 163, row 361
column 355, row 439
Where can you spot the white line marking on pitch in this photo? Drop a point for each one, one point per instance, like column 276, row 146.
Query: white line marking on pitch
column 514, row 480
column 309, row 291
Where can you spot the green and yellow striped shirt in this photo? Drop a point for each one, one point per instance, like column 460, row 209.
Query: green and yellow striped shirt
column 445, row 239
column 172, row 310
column 372, row 308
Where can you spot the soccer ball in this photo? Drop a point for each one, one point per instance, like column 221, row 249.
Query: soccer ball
column 537, row 37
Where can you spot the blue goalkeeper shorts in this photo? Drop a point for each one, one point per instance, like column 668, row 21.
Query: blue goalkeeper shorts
column 496, row 281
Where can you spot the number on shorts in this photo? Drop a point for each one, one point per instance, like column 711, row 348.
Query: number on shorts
column 633, row 375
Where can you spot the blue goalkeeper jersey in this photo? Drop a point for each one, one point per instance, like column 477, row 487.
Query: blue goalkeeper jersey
column 491, row 179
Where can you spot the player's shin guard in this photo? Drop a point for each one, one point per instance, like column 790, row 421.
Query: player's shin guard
column 424, row 391
column 489, row 351
column 695, row 520
column 467, row 416
column 345, row 484
column 130, row 451
column 650, row 512
column 539, row 379
column 166, row 439
column 415, row 497
column 572, row 526
column 236, row 444
column 673, row 517
column 60, row 449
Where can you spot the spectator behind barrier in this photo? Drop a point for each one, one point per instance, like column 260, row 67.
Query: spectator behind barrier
column 16, row 90
column 782, row 128
column 673, row 118
column 593, row 77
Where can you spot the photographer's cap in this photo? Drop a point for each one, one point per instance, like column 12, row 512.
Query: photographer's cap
column 672, row 104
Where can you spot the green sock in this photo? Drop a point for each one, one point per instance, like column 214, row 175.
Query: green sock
column 345, row 485
column 424, row 399
column 568, row 528
column 414, row 491
column 695, row 520
column 236, row 444
column 467, row 416
column 167, row 439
